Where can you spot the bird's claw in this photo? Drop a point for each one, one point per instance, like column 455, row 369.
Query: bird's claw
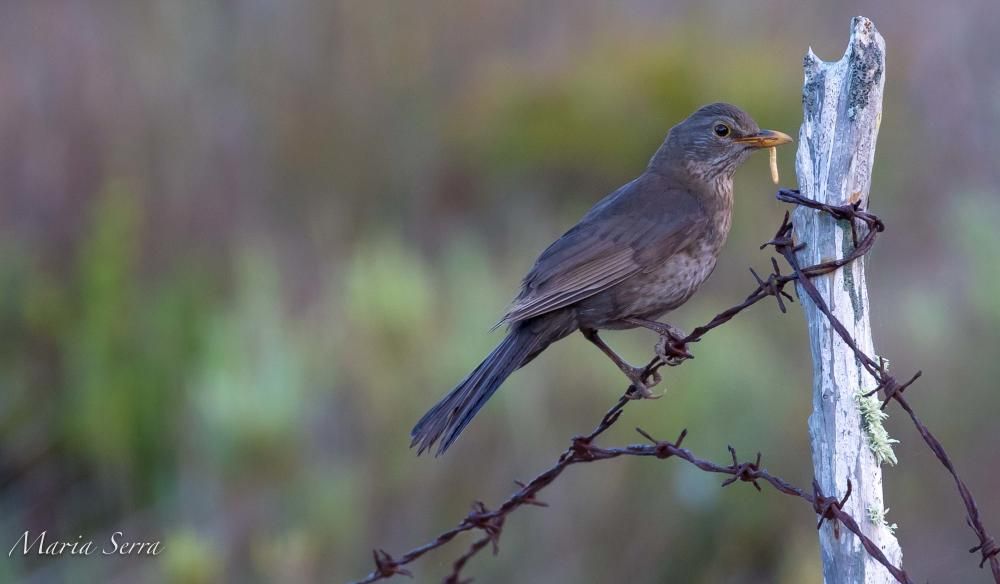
column 672, row 350
column 644, row 393
column 642, row 379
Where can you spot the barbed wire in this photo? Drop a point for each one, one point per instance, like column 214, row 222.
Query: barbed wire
column 583, row 449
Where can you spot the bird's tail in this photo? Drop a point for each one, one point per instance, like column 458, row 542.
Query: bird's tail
column 447, row 419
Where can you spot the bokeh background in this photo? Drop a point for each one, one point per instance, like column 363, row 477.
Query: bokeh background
column 244, row 245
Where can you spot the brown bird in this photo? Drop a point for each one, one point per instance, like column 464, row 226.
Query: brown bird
column 639, row 253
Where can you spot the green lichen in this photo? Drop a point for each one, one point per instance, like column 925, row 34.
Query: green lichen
column 877, row 516
column 872, row 417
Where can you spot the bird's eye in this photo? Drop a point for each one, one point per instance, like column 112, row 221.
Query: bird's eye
column 721, row 130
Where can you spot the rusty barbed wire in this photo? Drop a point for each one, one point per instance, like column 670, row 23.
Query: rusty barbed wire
column 829, row 508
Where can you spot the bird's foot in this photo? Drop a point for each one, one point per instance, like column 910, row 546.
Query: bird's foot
column 642, row 379
column 672, row 350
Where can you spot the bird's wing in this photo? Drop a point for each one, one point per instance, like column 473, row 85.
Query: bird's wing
column 634, row 229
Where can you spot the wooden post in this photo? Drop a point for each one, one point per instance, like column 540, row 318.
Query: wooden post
column 842, row 104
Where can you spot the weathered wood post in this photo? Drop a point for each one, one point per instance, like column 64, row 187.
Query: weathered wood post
column 842, row 103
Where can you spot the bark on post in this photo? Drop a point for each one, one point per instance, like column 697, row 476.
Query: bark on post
column 842, row 104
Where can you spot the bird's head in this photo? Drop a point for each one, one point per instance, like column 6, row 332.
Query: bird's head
column 713, row 141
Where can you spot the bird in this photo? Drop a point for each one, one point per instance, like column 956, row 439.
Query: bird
column 639, row 253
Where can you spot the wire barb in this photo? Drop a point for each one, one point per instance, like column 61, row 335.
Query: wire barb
column 830, row 508
column 747, row 472
column 386, row 566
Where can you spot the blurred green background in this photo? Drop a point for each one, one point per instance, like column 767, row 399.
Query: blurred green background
column 244, row 245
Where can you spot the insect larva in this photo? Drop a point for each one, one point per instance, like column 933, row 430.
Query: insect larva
column 773, row 152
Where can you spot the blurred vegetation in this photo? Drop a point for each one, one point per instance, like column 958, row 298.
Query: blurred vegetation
column 243, row 246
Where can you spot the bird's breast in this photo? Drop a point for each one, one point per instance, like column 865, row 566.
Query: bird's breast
column 651, row 293
column 673, row 283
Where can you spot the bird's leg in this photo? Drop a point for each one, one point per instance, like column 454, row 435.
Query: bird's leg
column 637, row 375
column 671, row 346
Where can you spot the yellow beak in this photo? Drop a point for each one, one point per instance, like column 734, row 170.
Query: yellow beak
column 766, row 139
